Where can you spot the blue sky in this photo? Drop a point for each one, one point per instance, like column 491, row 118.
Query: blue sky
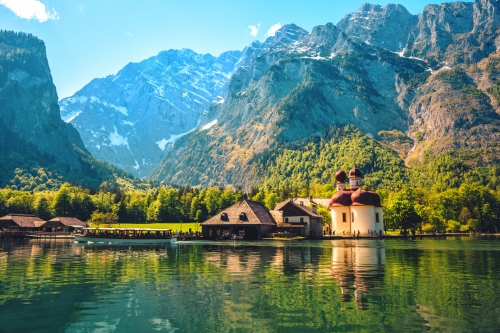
column 87, row 39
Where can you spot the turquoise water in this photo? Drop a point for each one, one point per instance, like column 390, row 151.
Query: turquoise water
column 425, row 285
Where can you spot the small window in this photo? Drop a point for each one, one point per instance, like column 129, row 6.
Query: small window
column 223, row 217
column 344, row 217
column 243, row 216
column 377, row 218
column 301, row 219
column 352, row 217
column 286, row 219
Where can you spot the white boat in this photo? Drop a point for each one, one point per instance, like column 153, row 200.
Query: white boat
column 125, row 236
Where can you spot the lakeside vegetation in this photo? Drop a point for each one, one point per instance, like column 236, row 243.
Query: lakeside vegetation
column 448, row 192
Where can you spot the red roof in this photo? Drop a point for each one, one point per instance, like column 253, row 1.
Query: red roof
column 365, row 198
column 355, row 173
column 342, row 198
column 359, row 197
column 340, row 176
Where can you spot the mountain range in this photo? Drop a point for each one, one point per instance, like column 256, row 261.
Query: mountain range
column 428, row 88
column 413, row 85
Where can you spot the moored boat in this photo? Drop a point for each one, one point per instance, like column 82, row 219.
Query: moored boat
column 125, row 236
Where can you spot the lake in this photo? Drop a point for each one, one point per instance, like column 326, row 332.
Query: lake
column 442, row 285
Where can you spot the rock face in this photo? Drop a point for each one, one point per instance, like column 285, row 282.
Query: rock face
column 454, row 33
column 387, row 27
column 381, row 69
column 130, row 119
column 40, row 150
column 28, row 99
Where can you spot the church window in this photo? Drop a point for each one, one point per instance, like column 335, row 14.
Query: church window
column 344, row 217
column 286, row 219
column 301, row 219
column 377, row 219
column 352, row 217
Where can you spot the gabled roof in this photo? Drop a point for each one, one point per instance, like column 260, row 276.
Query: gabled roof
column 307, row 201
column 256, row 214
column 24, row 220
column 307, row 211
column 67, row 221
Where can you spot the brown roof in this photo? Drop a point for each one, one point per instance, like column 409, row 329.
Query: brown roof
column 24, row 220
column 291, row 225
column 68, row 221
column 277, row 215
column 307, row 202
column 256, row 213
column 308, row 211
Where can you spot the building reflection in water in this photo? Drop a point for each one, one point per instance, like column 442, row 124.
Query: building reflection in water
column 359, row 268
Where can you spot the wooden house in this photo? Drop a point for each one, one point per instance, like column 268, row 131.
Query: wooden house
column 297, row 218
column 245, row 219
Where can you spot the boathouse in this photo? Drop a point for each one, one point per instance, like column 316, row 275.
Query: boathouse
column 25, row 222
column 292, row 217
column 245, row 219
column 62, row 223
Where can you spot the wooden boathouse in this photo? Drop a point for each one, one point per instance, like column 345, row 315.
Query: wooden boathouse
column 245, row 219
column 22, row 222
column 62, row 223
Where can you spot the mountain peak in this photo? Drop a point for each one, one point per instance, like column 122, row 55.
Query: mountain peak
column 386, row 27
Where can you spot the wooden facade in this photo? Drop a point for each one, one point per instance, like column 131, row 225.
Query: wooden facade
column 245, row 219
column 299, row 219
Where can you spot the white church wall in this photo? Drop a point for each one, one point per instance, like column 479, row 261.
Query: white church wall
column 380, row 224
column 337, row 219
column 364, row 219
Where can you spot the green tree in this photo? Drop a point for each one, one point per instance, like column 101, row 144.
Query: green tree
column 62, row 202
column 271, row 199
column 43, row 210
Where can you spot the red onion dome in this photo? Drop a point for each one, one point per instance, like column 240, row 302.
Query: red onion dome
column 376, row 200
column 340, row 176
column 362, row 197
column 341, row 198
column 355, row 173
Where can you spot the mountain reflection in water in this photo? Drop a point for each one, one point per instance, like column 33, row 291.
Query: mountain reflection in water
column 344, row 285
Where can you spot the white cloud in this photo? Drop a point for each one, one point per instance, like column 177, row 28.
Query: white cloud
column 254, row 29
column 272, row 30
column 30, row 9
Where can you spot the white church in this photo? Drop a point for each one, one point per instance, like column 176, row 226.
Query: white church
column 355, row 211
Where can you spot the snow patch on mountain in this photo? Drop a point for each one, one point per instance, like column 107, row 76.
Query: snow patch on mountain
column 71, row 116
column 208, row 125
column 163, row 142
column 116, row 139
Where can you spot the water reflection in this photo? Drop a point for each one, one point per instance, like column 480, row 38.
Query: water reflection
column 359, row 269
column 351, row 285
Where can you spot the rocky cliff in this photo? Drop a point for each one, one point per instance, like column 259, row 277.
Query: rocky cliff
column 33, row 134
column 132, row 118
column 28, row 98
column 433, row 81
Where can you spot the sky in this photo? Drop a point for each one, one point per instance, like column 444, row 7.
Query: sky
column 87, row 39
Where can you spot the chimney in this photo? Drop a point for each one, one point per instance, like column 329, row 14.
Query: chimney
column 315, row 208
